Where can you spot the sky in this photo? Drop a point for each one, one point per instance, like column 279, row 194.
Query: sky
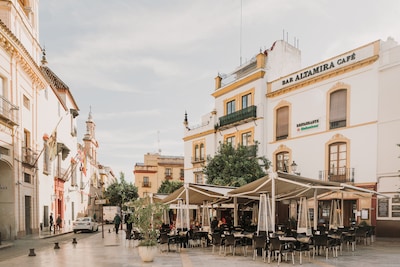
column 139, row 65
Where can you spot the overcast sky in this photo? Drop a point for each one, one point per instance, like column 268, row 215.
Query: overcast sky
column 140, row 64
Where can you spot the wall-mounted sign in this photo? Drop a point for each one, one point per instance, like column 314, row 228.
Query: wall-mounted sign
column 307, row 125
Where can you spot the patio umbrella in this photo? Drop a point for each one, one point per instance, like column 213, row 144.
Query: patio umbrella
column 303, row 220
column 264, row 215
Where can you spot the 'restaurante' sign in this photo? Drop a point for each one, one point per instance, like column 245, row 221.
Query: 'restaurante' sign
column 324, row 67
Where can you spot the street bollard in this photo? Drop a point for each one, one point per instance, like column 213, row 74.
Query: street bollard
column 31, row 252
column 56, row 246
column 74, row 241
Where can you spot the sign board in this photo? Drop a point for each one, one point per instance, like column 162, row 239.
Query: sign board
column 100, row 201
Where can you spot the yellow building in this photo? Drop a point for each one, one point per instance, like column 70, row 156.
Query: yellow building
column 156, row 169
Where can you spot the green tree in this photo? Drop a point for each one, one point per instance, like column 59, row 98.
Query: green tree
column 121, row 192
column 235, row 166
column 167, row 187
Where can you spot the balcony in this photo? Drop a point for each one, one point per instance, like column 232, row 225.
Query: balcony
column 340, row 175
column 8, row 112
column 29, row 156
column 239, row 117
column 337, row 124
column 146, row 184
column 198, row 160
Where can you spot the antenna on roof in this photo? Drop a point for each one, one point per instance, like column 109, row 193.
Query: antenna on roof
column 240, row 42
column 158, row 141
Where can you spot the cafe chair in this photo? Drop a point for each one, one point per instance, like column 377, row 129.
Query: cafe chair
column 277, row 249
column 217, row 240
column 230, row 241
column 259, row 243
column 163, row 241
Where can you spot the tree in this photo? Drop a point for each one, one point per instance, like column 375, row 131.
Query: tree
column 167, row 187
column 235, row 166
column 121, row 192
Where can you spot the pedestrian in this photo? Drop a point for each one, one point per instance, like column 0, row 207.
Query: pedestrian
column 214, row 224
column 51, row 221
column 58, row 221
column 128, row 225
column 117, row 222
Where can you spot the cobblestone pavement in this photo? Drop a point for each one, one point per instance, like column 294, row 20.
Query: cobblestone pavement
column 92, row 250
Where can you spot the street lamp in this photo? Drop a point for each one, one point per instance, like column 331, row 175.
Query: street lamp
column 293, row 167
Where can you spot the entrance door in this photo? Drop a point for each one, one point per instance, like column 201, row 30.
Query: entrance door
column 28, row 212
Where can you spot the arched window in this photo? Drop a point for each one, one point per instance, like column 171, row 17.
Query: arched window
column 196, row 153
column 282, row 161
column 202, row 151
column 282, row 123
column 338, row 109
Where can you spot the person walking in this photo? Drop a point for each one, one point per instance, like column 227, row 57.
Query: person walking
column 58, row 222
column 117, row 222
column 128, row 226
column 51, row 221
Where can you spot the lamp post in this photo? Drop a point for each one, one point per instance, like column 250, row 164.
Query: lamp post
column 293, row 167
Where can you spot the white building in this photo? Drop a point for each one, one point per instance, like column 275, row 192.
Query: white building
column 337, row 120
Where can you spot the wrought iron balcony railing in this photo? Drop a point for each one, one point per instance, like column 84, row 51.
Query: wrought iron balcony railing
column 341, row 175
column 29, row 156
column 238, row 116
column 8, row 111
column 146, row 184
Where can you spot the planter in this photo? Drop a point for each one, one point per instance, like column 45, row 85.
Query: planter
column 147, row 253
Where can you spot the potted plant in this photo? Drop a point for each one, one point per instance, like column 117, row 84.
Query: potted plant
column 147, row 218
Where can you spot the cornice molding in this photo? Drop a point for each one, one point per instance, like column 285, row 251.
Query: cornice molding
column 15, row 48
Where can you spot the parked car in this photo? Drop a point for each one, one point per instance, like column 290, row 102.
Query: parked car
column 85, row 224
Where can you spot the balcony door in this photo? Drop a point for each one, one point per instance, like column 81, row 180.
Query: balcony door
column 337, row 162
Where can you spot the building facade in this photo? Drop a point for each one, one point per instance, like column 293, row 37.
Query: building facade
column 43, row 169
column 335, row 120
column 156, row 169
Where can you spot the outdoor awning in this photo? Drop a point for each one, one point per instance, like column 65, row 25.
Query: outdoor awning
column 198, row 193
column 289, row 186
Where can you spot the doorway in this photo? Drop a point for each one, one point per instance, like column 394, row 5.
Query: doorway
column 28, row 212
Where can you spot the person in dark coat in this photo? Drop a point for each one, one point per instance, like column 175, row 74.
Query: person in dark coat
column 128, row 226
column 117, row 222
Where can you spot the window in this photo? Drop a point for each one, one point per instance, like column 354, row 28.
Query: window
column 337, row 162
column 282, row 162
column 26, row 102
column 196, row 153
column 338, row 109
column 282, row 123
column 246, row 139
column 146, row 182
column 199, row 178
column 168, row 172
column 230, row 107
column 231, row 140
column 246, row 101
column 201, row 151
column 182, row 174
column 27, row 178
